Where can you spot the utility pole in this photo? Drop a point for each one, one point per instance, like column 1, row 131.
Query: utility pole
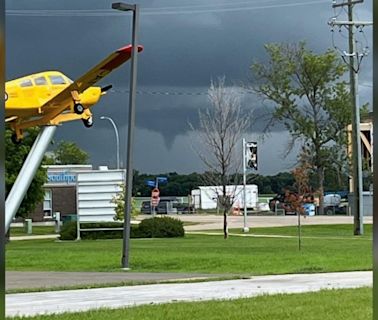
column 354, row 57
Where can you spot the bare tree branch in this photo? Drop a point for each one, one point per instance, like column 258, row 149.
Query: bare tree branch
column 222, row 125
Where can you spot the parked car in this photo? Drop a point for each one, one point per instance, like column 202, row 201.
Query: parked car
column 281, row 202
column 163, row 207
column 146, row 207
column 333, row 204
column 183, row 207
column 278, row 202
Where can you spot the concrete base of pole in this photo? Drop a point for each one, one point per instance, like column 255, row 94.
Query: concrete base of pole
column 245, row 229
column 126, row 269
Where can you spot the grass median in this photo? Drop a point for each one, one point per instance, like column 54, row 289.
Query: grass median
column 36, row 230
column 346, row 304
column 203, row 253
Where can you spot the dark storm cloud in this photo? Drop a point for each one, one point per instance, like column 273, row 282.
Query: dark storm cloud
column 186, row 44
column 169, row 111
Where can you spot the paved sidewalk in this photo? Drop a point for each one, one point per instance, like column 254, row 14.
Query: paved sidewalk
column 30, row 304
column 50, row 280
column 34, row 237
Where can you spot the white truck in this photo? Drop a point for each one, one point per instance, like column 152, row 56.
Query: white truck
column 205, row 197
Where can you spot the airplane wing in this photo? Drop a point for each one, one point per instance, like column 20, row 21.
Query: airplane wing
column 94, row 75
column 113, row 61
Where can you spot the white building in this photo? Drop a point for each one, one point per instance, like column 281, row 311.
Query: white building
column 206, row 197
column 79, row 190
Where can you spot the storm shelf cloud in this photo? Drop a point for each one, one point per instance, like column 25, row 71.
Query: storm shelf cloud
column 186, row 45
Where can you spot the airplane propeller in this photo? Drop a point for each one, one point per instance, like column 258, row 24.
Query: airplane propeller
column 106, row 88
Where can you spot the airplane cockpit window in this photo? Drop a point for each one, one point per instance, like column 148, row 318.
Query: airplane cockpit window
column 26, row 83
column 40, row 81
column 57, row 79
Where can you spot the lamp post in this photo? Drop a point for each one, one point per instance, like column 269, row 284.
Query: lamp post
column 130, row 137
column 116, row 134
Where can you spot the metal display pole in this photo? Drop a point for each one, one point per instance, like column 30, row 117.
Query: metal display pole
column 27, row 173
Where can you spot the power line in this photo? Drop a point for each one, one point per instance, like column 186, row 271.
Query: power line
column 150, row 11
column 220, row 4
column 174, row 93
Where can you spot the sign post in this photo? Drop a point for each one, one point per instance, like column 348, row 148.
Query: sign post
column 155, row 193
column 249, row 162
column 245, row 229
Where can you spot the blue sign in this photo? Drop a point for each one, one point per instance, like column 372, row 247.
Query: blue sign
column 61, row 177
column 150, row 183
column 162, row 179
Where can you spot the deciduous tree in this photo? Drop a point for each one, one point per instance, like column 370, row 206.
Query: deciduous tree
column 119, row 201
column 67, row 152
column 15, row 155
column 221, row 126
column 310, row 98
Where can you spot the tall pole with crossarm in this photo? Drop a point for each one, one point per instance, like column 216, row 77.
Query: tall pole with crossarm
column 354, row 56
column 130, row 137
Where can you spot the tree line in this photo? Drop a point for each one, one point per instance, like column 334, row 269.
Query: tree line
column 182, row 184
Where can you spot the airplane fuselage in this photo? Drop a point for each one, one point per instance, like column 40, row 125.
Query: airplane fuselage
column 25, row 96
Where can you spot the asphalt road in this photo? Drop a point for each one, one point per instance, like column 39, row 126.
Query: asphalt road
column 30, row 304
column 208, row 222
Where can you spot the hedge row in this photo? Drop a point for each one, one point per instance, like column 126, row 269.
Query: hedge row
column 157, row 227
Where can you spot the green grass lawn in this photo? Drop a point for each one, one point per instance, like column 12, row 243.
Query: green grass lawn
column 36, row 230
column 201, row 253
column 346, row 304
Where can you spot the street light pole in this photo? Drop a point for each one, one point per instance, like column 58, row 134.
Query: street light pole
column 116, row 134
column 130, row 137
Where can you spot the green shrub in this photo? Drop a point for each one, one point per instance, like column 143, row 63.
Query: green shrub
column 161, row 227
column 157, row 227
column 69, row 231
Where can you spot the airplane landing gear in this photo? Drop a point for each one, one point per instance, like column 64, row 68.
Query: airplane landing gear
column 88, row 122
column 78, row 108
column 15, row 139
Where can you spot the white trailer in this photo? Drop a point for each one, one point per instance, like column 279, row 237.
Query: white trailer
column 206, row 197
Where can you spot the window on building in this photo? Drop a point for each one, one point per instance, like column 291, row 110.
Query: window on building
column 47, row 204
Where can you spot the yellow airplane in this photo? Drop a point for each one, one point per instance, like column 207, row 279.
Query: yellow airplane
column 50, row 97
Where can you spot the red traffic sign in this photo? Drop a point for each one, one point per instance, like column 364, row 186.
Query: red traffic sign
column 155, row 202
column 155, row 197
column 155, row 193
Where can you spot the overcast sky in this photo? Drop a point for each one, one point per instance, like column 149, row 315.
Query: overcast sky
column 186, row 44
